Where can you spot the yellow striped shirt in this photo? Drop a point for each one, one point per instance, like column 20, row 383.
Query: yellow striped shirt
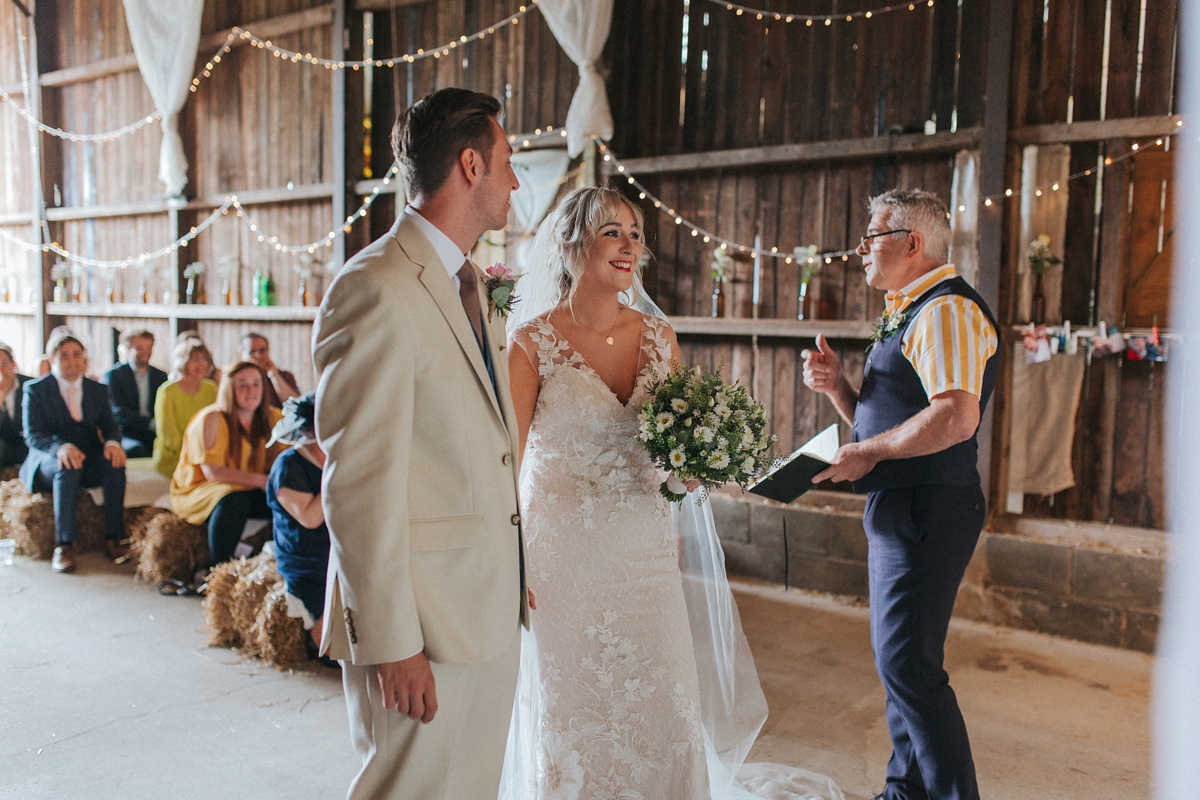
column 950, row 340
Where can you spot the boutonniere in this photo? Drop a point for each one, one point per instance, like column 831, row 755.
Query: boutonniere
column 499, row 281
column 887, row 326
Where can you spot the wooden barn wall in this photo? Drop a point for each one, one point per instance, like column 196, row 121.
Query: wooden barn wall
column 260, row 123
column 521, row 65
column 17, row 265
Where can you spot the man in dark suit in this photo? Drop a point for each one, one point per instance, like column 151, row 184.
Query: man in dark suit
column 12, row 440
column 132, row 386
column 74, row 442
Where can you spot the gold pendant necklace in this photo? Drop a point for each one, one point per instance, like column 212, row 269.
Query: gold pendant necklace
column 608, row 338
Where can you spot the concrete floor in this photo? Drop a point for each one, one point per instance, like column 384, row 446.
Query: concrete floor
column 107, row 690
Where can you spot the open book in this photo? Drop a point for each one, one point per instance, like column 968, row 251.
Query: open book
column 791, row 477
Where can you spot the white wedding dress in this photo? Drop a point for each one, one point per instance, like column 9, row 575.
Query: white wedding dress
column 609, row 703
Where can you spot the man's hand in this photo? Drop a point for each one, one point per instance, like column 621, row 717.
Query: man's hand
column 532, row 599
column 115, row 454
column 850, row 462
column 70, row 457
column 408, row 687
column 822, row 369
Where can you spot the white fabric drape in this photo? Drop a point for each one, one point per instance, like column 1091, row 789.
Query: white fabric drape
column 964, row 215
column 165, row 36
column 581, row 28
column 540, row 173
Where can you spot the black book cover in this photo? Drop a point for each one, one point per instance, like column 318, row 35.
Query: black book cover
column 792, row 477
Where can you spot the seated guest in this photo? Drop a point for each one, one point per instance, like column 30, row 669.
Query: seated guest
column 221, row 479
column 12, row 441
column 280, row 384
column 294, row 497
column 180, row 399
column 74, row 443
column 132, row 386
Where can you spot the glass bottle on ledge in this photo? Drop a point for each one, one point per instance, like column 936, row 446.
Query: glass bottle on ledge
column 60, row 291
column 718, row 300
column 803, row 311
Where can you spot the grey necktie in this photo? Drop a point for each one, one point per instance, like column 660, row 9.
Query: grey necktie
column 470, row 300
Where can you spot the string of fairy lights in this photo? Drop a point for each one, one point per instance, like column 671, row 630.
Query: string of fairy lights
column 762, row 14
column 540, row 137
column 708, row 236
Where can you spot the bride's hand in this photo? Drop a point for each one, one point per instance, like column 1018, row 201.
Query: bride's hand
column 693, row 485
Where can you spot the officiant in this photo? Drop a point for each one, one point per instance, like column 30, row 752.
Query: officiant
column 928, row 377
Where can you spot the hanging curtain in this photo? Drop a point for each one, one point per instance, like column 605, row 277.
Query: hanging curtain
column 540, row 173
column 581, row 28
column 165, row 36
column 964, row 215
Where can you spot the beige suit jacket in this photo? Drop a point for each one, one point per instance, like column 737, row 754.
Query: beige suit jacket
column 420, row 485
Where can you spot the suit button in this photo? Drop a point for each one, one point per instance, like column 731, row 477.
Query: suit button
column 506, row 459
column 516, row 519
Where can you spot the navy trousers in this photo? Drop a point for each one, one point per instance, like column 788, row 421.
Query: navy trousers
column 66, row 485
column 920, row 539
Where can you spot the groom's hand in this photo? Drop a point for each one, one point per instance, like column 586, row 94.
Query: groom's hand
column 408, row 687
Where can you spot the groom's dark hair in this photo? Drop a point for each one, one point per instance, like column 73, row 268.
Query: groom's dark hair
column 428, row 138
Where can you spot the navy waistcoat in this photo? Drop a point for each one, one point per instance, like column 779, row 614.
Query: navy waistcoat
column 892, row 393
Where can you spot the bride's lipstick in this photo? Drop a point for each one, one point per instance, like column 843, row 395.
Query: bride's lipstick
column 624, row 266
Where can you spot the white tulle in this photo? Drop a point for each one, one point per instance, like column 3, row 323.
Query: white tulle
column 594, row 520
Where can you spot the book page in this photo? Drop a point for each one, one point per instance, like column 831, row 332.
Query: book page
column 821, row 446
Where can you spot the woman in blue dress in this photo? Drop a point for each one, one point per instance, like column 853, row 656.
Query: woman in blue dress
column 294, row 497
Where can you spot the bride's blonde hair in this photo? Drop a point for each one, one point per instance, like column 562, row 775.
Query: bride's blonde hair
column 569, row 232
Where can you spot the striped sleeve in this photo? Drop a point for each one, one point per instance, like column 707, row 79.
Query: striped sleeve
column 949, row 344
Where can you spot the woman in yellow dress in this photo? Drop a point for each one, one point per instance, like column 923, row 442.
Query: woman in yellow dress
column 222, row 473
column 178, row 400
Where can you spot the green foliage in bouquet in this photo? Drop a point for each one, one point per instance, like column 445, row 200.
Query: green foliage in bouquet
column 699, row 428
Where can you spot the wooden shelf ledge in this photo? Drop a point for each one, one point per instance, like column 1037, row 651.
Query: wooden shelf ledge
column 18, row 309
column 773, row 328
column 208, row 312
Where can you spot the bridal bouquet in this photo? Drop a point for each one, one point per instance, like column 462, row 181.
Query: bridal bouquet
column 699, row 428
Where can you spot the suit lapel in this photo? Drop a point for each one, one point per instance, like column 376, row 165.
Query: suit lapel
column 437, row 282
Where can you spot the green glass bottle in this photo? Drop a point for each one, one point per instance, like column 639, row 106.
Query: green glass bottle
column 270, row 290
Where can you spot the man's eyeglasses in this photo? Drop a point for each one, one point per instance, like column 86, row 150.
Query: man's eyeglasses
column 864, row 241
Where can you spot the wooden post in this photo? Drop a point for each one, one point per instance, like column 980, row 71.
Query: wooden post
column 41, row 262
column 992, row 152
column 340, row 184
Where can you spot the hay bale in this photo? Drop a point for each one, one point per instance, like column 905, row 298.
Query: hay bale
column 29, row 520
column 245, row 607
column 136, row 520
column 170, row 549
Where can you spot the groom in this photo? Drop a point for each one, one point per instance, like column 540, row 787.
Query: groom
column 925, row 386
column 426, row 590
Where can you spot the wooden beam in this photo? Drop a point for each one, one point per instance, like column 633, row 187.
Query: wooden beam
column 1097, row 130
column 199, row 311
column 17, row 218
column 993, row 149
column 840, row 150
column 340, row 179
column 772, row 328
column 249, row 197
column 264, row 29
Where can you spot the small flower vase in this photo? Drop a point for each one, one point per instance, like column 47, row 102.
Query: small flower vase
column 143, row 293
column 60, row 291
column 110, row 292
column 302, row 292
column 718, row 299
column 77, row 294
column 1038, row 309
column 802, row 311
column 191, row 296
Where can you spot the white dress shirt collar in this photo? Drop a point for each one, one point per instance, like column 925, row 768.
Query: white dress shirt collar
column 63, row 383
column 451, row 257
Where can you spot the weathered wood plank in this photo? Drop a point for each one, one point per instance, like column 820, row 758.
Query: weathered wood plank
column 845, row 149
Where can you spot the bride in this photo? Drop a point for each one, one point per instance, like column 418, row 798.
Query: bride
column 636, row 681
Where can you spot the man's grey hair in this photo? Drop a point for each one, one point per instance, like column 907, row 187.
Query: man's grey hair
column 921, row 212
